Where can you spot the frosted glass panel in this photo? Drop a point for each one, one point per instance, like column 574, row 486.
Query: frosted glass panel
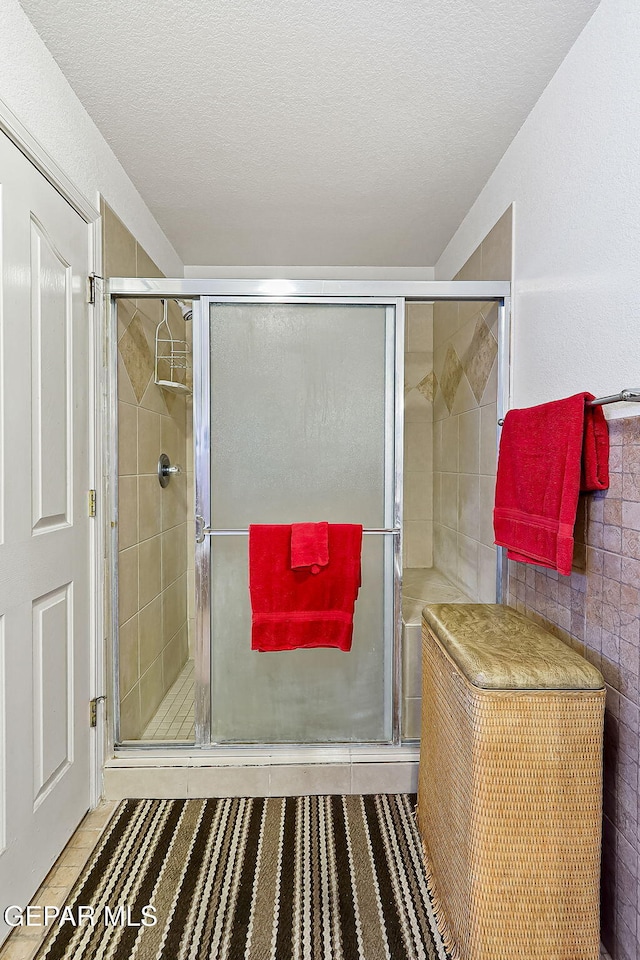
column 297, row 414
column 306, row 696
column 299, row 410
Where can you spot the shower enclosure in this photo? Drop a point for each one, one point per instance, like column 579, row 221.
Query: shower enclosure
column 297, row 416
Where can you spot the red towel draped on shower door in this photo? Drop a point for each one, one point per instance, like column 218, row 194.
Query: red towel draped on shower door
column 301, row 608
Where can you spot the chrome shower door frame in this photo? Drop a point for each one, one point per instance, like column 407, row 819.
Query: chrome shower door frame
column 393, row 455
column 269, row 290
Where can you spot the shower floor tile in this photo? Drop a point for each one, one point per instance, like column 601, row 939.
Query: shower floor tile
column 174, row 718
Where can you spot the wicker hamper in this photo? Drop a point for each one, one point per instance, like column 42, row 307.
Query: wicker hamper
column 510, row 786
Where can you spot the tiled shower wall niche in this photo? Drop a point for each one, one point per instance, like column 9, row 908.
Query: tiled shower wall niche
column 598, row 613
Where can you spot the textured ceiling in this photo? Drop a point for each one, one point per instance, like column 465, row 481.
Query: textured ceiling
column 309, row 132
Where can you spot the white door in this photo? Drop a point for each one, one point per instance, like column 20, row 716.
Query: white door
column 44, row 526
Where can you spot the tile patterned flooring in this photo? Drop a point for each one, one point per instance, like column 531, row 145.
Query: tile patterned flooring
column 174, row 718
column 23, row 942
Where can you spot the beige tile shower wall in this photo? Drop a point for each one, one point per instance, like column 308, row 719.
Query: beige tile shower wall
column 464, row 423
column 418, row 436
column 152, row 529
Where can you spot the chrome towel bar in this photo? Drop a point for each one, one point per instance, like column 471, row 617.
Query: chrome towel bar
column 202, row 531
column 629, row 395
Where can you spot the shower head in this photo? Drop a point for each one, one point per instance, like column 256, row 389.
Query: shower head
column 187, row 309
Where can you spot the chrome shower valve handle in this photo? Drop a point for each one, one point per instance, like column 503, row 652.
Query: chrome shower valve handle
column 166, row 470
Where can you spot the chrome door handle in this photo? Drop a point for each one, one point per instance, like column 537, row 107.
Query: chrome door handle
column 201, row 528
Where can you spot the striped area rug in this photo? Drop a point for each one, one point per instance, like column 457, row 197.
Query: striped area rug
column 299, row 878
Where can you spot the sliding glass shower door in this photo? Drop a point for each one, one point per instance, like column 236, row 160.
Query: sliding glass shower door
column 297, row 419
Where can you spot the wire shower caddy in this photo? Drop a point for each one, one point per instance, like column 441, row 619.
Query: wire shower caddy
column 172, row 357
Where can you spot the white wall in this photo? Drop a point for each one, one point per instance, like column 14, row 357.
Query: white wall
column 573, row 173
column 34, row 88
column 308, row 273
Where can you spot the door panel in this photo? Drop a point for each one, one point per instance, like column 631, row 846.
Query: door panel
column 44, row 525
column 302, row 429
column 51, row 324
column 52, row 688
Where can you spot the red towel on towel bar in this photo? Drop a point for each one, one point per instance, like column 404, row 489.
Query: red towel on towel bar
column 295, row 608
column 548, row 454
column 309, row 546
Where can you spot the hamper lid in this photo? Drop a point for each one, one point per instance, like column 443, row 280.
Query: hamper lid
column 498, row 648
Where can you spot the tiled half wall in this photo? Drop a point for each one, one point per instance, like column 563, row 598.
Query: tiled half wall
column 152, row 522
column 597, row 612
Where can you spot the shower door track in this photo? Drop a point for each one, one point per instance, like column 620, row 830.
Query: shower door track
column 393, row 294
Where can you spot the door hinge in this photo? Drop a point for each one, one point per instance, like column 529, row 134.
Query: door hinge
column 92, row 503
column 93, row 711
column 91, row 286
